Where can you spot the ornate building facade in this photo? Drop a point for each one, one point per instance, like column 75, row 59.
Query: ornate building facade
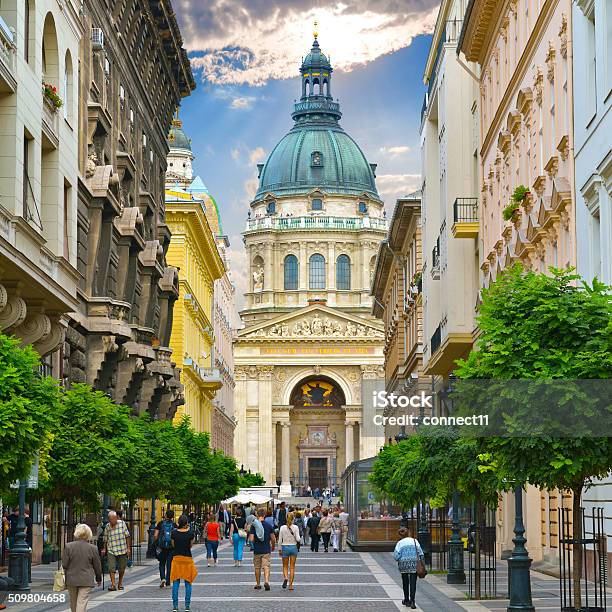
column 398, row 301
column 524, row 57
column 39, row 42
column 201, row 331
column 310, row 354
column 132, row 74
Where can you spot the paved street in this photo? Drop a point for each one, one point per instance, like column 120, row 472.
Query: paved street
column 344, row 581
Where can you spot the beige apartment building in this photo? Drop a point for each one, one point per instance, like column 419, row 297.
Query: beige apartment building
column 39, row 43
column 523, row 52
column 398, row 302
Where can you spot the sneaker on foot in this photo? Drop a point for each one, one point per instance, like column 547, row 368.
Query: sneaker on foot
column 162, row 584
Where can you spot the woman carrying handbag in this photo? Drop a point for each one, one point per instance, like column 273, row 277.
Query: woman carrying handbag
column 289, row 543
column 238, row 536
column 409, row 556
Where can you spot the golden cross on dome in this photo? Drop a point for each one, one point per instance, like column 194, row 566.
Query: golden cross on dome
column 316, row 29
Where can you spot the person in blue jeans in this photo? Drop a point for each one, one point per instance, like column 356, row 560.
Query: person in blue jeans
column 163, row 546
column 213, row 535
column 183, row 567
column 238, row 536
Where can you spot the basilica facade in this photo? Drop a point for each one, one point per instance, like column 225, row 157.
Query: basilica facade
column 311, row 354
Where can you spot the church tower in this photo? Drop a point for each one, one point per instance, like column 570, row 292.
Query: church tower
column 311, row 353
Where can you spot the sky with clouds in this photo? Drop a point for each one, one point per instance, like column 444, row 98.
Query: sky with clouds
column 245, row 55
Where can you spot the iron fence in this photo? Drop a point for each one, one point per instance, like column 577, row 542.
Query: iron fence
column 482, row 565
column 465, row 210
column 582, row 561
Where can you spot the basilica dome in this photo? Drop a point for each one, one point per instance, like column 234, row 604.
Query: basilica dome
column 317, row 152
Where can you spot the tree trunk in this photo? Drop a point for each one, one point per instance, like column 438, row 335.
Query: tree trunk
column 577, row 547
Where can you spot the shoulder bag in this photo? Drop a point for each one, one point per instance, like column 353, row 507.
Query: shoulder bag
column 241, row 532
column 421, row 570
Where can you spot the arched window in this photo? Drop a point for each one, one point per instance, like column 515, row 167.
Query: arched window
column 363, row 208
column 271, row 207
column 291, row 273
column 316, row 271
column 343, row 273
column 316, row 159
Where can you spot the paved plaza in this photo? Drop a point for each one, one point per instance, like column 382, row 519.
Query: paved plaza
column 340, row 582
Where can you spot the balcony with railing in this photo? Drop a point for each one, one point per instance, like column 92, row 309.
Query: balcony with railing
column 435, row 261
column 465, row 218
column 8, row 54
column 50, row 123
column 436, row 341
column 324, row 222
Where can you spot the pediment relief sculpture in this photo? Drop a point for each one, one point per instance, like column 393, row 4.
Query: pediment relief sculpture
column 318, row 327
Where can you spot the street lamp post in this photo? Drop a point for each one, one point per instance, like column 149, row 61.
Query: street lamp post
column 456, row 571
column 424, row 535
column 151, row 543
column 519, row 562
column 19, row 555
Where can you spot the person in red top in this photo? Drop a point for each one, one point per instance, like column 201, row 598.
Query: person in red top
column 213, row 535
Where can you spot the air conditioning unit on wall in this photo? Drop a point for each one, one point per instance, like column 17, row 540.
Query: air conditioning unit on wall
column 97, row 38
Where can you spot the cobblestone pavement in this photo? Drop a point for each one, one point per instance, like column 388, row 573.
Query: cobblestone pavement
column 335, row 582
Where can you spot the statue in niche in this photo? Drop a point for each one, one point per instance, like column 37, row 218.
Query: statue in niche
column 258, row 277
column 90, row 167
column 317, row 326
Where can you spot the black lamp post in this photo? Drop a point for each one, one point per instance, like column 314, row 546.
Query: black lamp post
column 456, row 571
column 151, row 543
column 519, row 562
column 19, row 555
column 424, row 535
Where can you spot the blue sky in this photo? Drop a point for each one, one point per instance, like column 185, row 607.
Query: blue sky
column 245, row 91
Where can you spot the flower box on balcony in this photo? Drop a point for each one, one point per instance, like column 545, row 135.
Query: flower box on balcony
column 51, row 96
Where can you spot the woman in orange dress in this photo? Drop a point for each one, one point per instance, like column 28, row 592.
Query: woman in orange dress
column 183, row 567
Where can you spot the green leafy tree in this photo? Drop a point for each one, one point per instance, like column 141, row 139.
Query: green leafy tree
column 537, row 326
column 92, row 449
column 29, row 407
column 251, row 480
column 158, row 462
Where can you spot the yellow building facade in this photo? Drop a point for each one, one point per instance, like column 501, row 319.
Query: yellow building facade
column 194, row 253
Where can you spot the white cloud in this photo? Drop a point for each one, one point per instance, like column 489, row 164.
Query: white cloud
column 235, row 153
column 257, row 155
column 394, row 151
column 236, row 42
column 242, row 103
column 393, row 186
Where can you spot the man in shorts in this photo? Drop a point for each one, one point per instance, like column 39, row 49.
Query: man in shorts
column 262, row 549
column 117, row 544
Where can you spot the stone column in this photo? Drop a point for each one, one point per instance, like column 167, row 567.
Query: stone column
column 303, row 269
column 285, row 488
column 349, row 443
column 268, row 268
column 267, row 460
column 240, row 401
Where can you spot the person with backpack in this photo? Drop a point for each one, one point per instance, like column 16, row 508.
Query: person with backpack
column 163, row 547
column 313, row 529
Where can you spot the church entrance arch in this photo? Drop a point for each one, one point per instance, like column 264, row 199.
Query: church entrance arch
column 318, row 416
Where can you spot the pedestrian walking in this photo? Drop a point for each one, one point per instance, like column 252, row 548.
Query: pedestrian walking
column 163, row 546
column 298, row 521
column 289, row 541
column 313, row 529
column 224, row 519
column 325, row 529
column 82, row 566
column 280, row 517
column 269, row 518
column 306, row 532
column 238, row 535
column 213, row 535
column 409, row 555
column 183, row 567
column 336, row 531
column 344, row 518
column 117, row 545
column 263, row 544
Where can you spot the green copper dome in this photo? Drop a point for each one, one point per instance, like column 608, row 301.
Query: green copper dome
column 177, row 138
column 317, row 152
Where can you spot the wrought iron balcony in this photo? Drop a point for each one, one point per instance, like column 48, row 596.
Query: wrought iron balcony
column 435, row 261
column 325, row 222
column 465, row 218
column 8, row 53
column 436, row 341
